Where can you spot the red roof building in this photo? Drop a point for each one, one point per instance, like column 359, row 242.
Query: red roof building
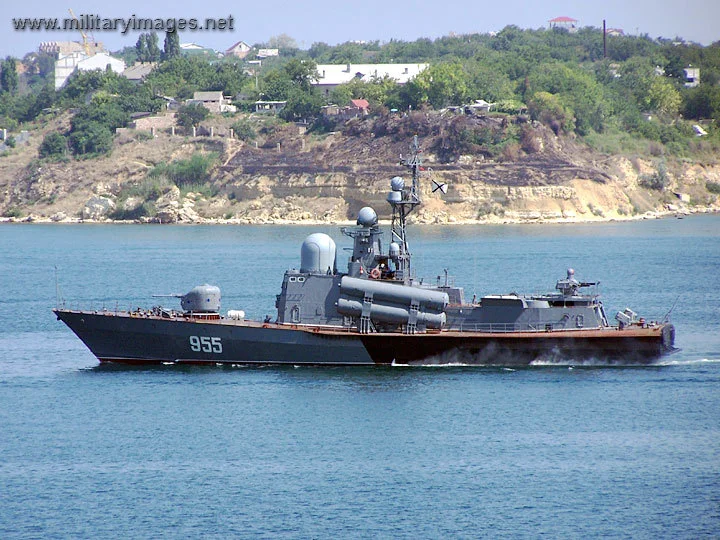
column 361, row 104
column 567, row 23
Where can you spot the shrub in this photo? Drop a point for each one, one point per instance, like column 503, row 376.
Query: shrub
column 146, row 209
column 185, row 172
column 713, row 187
column 658, row 180
column 13, row 213
column 244, row 130
column 53, row 145
column 91, row 138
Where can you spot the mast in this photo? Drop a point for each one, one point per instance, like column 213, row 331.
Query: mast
column 403, row 201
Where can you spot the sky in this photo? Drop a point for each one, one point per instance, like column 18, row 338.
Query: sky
column 334, row 21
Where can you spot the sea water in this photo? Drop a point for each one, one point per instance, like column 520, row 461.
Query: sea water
column 91, row 451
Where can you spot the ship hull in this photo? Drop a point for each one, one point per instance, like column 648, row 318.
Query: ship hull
column 147, row 339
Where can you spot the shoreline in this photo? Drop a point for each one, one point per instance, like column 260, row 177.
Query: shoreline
column 452, row 221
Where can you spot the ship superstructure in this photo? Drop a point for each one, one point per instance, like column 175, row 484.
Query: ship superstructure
column 376, row 312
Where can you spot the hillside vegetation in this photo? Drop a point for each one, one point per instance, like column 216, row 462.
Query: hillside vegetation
column 572, row 135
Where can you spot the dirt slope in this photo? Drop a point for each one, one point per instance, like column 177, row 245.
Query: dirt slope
column 287, row 175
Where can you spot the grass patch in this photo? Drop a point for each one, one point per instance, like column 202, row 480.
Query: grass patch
column 617, row 143
column 186, row 172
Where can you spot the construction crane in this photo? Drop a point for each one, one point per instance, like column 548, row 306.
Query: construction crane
column 86, row 45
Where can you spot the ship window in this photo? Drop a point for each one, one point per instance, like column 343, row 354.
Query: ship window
column 301, row 279
column 292, row 279
column 580, row 321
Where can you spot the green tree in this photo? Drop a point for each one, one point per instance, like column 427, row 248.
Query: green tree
column 153, row 48
column 276, row 85
column 549, row 109
column 488, row 82
column 189, row 116
column 8, row 76
column 702, row 102
column 91, row 138
column 320, row 52
column 171, row 45
column 141, row 48
column 147, row 48
column 293, row 83
column 440, row 85
column 54, row 144
column 282, row 41
column 663, row 97
column 577, row 90
column 182, row 76
column 346, row 53
column 301, row 105
column 302, row 73
column 105, row 112
column 633, row 81
column 28, row 107
column 244, row 130
column 377, row 91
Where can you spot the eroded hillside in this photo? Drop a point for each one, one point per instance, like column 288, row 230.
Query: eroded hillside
column 498, row 169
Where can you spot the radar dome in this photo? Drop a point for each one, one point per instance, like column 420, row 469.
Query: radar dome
column 317, row 254
column 367, row 217
column 394, row 251
column 394, row 197
column 397, row 183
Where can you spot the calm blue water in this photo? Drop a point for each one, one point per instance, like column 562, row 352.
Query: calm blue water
column 90, row 451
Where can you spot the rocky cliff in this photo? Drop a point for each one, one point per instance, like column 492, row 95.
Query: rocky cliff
column 498, row 169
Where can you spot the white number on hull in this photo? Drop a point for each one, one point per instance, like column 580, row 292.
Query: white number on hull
column 205, row 344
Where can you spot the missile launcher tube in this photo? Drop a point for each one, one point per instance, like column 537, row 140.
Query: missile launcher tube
column 389, row 313
column 395, row 294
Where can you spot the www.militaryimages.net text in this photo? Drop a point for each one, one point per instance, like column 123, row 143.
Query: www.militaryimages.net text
column 95, row 23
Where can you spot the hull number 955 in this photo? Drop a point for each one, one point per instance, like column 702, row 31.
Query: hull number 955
column 205, row 344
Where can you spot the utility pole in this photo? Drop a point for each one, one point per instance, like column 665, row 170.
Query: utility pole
column 604, row 40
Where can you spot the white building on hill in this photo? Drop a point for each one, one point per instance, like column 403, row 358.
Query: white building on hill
column 332, row 75
column 67, row 65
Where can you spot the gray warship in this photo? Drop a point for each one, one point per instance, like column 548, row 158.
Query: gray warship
column 376, row 312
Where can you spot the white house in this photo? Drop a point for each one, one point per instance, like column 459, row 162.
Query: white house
column 330, row 76
column 214, row 102
column 66, row 65
column 101, row 61
column 239, row 50
column 692, row 77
